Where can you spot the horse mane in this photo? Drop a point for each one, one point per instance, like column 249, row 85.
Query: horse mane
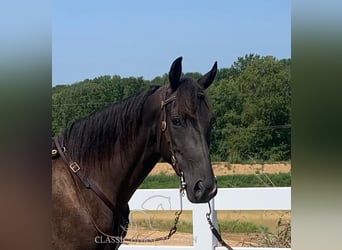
column 90, row 140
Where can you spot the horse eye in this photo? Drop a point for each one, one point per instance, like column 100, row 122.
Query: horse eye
column 176, row 121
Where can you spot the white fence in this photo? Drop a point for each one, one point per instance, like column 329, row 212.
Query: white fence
column 226, row 199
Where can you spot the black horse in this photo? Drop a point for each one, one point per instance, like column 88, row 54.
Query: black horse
column 112, row 151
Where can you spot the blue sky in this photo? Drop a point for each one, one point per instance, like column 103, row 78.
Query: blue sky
column 142, row 38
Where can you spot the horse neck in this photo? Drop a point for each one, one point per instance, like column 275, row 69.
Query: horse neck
column 116, row 171
column 131, row 163
column 144, row 151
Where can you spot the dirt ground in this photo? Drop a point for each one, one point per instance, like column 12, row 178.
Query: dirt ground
column 186, row 239
column 230, row 169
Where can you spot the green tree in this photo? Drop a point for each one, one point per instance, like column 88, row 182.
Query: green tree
column 251, row 101
column 252, row 104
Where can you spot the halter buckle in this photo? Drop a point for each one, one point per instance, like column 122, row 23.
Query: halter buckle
column 74, row 167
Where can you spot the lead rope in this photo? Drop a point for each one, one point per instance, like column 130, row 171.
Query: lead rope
column 214, row 230
column 173, row 229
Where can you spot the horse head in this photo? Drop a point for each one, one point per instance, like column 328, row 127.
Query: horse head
column 186, row 131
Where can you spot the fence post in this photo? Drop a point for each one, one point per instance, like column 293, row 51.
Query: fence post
column 202, row 236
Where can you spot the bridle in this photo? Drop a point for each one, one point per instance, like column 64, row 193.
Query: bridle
column 179, row 171
column 163, row 130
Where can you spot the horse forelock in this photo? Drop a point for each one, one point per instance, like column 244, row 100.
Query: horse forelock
column 189, row 92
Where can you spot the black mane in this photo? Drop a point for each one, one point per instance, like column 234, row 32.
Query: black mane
column 91, row 139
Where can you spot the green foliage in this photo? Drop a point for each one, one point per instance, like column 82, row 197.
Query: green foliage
column 240, row 227
column 251, row 101
column 186, row 226
column 71, row 102
column 254, row 180
column 165, row 225
column 225, row 181
column 160, row 181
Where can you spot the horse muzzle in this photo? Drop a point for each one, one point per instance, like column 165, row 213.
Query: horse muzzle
column 202, row 191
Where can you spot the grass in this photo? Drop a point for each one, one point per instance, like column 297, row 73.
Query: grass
column 162, row 221
column 186, row 226
column 225, row 181
column 254, row 180
column 271, row 229
column 160, row 181
column 241, row 227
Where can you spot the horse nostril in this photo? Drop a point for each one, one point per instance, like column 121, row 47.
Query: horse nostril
column 198, row 188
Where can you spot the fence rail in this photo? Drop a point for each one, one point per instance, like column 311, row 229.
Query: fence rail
column 226, row 199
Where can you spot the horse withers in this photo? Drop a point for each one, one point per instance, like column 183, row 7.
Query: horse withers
column 103, row 158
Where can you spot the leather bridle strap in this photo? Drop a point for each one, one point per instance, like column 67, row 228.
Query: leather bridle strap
column 75, row 168
column 163, row 128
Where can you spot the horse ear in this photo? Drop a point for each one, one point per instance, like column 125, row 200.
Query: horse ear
column 175, row 73
column 208, row 78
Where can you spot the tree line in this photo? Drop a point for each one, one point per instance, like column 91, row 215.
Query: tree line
column 251, row 101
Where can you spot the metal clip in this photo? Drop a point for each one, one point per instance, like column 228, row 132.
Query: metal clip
column 182, row 182
column 74, row 167
column 173, row 160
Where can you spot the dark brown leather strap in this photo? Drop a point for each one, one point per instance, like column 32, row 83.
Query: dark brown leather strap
column 75, row 169
column 163, row 130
